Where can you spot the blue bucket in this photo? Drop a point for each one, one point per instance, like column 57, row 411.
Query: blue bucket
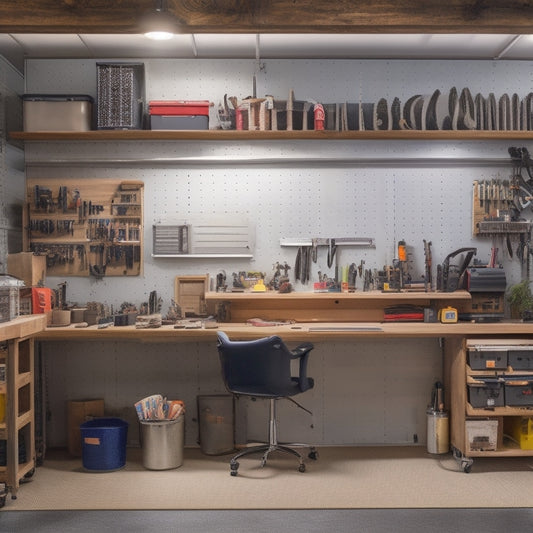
column 103, row 442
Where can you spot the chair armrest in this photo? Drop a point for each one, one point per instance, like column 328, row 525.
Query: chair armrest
column 302, row 352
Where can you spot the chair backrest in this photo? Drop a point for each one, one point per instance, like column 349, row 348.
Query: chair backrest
column 260, row 366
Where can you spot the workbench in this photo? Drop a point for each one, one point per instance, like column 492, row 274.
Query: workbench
column 297, row 332
column 17, row 354
column 186, row 360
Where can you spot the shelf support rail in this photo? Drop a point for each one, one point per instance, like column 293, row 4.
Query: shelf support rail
column 341, row 241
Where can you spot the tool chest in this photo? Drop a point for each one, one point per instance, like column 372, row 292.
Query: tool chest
column 179, row 114
column 491, row 389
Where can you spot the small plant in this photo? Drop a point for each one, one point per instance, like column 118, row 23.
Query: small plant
column 520, row 298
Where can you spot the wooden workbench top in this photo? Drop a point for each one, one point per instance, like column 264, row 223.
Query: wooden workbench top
column 22, row 327
column 314, row 332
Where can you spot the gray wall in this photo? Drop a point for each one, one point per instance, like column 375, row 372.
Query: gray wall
column 11, row 163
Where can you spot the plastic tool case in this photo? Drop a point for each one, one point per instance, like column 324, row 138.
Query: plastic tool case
column 57, row 112
column 179, row 114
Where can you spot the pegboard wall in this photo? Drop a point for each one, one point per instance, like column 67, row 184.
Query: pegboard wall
column 405, row 190
column 301, row 189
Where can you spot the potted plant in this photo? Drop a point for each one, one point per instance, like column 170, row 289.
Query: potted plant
column 520, row 299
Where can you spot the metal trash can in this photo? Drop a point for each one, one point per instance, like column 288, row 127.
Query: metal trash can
column 162, row 443
column 216, row 417
column 438, row 438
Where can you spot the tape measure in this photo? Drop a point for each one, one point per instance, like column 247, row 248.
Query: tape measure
column 448, row 315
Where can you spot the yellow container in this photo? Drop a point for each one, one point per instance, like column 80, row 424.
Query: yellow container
column 520, row 428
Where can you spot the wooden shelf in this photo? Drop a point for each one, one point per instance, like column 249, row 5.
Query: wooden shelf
column 358, row 306
column 499, row 411
column 233, row 135
column 399, row 297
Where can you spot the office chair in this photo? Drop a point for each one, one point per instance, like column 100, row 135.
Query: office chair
column 262, row 369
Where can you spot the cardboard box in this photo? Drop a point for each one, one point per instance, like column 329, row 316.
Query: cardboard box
column 78, row 412
column 28, row 267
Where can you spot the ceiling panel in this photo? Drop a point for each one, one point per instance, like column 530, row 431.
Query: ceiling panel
column 106, row 46
column 15, row 47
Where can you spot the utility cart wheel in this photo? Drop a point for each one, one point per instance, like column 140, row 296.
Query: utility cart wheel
column 28, row 475
column 465, row 462
column 234, row 465
column 466, row 465
column 313, row 454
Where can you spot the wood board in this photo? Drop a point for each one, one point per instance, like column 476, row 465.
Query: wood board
column 85, row 227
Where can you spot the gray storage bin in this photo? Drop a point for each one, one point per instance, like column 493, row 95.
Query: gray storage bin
column 179, row 122
column 519, row 391
column 521, row 359
column 487, row 359
column 162, row 443
column 216, row 415
column 49, row 112
column 489, row 393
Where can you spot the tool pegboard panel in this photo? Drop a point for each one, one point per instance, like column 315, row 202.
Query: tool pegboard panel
column 86, row 226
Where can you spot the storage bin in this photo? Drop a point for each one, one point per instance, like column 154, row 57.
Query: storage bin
column 482, row 435
column 162, row 443
column 521, row 359
column 217, row 426
column 487, row 358
column 59, row 112
column 172, row 122
column 120, row 95
column 520, row 428
column 179, row 114
column 519, row 391
column 488, row 392
column 103, row 443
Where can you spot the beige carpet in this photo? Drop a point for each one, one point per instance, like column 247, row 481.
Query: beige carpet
column 343, row 477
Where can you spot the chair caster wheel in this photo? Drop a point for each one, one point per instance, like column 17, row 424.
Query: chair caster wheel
column 234, row 467
column 301, row 468
column 233, row 473
column 313, row 455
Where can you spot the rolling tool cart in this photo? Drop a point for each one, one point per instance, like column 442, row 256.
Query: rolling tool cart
column 491, row 397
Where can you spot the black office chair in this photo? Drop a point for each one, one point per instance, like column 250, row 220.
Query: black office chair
column 262, row 369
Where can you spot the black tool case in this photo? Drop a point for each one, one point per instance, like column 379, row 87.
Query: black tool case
column 486, row 393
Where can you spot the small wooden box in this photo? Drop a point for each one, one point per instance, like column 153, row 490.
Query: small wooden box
column 189, row 294
column 80, row 411
column 28, row 267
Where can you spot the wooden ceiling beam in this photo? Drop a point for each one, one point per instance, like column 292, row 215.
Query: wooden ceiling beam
column 273, row 16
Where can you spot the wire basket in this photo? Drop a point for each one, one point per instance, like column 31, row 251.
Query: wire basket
column 120, row 95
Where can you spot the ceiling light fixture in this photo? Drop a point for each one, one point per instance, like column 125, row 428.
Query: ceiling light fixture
column 159, row 24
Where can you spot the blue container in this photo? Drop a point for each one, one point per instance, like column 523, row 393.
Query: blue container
column 103, row 442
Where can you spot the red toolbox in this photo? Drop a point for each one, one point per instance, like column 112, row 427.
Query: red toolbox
column 179, row 114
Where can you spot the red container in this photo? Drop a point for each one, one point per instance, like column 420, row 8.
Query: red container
column 179, row 107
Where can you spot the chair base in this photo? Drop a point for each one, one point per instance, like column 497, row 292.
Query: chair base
column 266, row 449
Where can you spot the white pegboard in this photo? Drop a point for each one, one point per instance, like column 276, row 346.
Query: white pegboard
column 366, row 392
